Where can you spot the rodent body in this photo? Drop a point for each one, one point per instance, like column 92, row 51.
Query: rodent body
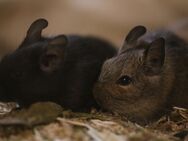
column 147, row 78
column 61, row 69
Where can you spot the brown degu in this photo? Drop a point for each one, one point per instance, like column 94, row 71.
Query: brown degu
column 147, row 77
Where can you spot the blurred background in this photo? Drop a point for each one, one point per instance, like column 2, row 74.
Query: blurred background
column 109, row 19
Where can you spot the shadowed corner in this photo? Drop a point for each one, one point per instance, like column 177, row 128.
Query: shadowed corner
column 182, row 134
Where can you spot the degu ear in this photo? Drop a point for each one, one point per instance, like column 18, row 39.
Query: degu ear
column 60, row 40
column 133, row 36
column 35, row 30
column 51, row 59
column 154, row 57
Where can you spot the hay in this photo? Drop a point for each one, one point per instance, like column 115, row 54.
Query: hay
column 94, row 126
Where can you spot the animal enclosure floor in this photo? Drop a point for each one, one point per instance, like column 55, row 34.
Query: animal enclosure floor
column 97, row 126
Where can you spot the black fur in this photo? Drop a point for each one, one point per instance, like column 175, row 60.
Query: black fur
column 67, row 79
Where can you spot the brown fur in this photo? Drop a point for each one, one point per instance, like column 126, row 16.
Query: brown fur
column 159, row 79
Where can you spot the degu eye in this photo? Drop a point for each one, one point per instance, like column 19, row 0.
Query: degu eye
column 124, row 80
